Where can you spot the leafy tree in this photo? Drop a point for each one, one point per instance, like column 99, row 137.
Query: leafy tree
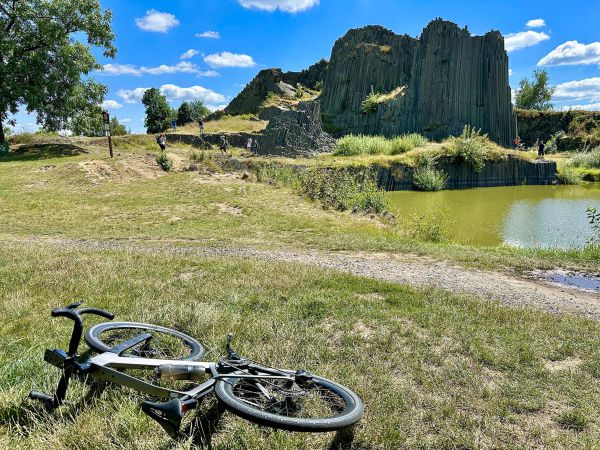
column 184, row 114
column 535, row 94
column 158, row 111
column 88, row 122
column 116, row 128
column 42, row 58
column 199, row 110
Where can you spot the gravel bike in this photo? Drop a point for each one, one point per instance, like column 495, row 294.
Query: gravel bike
column 165, row 364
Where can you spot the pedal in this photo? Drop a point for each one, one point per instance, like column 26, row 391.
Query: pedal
column 56, row 357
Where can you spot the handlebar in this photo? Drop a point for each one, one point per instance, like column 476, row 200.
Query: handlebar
column 71, row 312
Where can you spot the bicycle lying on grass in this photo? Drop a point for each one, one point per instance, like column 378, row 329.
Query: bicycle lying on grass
column 127, row 351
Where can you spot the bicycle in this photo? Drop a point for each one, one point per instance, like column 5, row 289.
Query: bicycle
column 277, row 398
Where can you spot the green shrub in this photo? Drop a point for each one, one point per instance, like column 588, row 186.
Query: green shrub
column 429, row 226
column 371, row 102
column 407, row 142
column 299, row 92
column 164, row 161
column 567, row 174
column 594, row 218
column 428, row 178
column 590, row 160
column 471, row 148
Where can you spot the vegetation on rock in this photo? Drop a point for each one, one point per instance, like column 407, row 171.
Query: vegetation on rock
column 471, row 148
column 428, row 178
column 352, row 145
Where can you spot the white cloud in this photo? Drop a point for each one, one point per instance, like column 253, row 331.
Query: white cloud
column 173, row 93
column 510, row 72
column 578, row 90
column 536, row 23
column 227, row 59
column 119, row 69
column 214, row 108
column 588, row 107
column 182, row 67
column 131, row 95
column 573, row 53
column 125, row 120
column 291, row 6
column 189, row 54
column 156, row 21
column 111, row 104
column 522, row 39
column 209, row 35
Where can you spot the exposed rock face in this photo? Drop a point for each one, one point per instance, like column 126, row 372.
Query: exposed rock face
column 296, row 133
column 274, row 80
column 450, row 77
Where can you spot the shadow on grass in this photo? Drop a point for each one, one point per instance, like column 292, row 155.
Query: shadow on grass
column 36, row 152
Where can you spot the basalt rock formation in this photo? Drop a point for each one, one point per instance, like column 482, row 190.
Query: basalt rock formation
column 296, row 133
column 432, row 85
column 274, row 81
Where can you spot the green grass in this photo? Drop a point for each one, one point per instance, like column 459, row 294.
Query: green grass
column 226, row 124
column 427, row 178
column 588, row 160
column 49, row 191
column 353, row 145
column 435, row 370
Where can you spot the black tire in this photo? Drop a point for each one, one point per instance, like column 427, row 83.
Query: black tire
column 178, row 346
column 347, row 412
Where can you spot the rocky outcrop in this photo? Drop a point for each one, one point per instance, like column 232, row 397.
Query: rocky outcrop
column 296, row 133
column 507, row 172
column 274, row 81
column 433, row 85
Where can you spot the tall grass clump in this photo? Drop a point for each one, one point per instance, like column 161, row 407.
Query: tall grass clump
column 352, row 145
column 164, row 161
column 568, row 174
column 429, row 226
column 471, row 148
column 589, row 160
column 428, row 178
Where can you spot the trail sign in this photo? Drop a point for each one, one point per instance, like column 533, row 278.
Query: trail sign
column 106, row 120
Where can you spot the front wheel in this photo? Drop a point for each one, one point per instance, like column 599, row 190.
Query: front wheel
column 300, row 402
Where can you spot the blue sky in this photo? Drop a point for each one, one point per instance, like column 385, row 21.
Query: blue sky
column 210, row 49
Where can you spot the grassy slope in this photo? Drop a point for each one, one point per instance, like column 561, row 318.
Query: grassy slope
column 55, row 196
column 434, row 369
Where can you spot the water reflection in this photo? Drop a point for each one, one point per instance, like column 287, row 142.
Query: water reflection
column 523, row 216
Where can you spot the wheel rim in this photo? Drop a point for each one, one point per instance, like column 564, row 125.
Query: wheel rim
column 312, row 400
column 164, row 344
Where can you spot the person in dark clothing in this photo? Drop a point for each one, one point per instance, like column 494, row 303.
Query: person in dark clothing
column 541, row 149
column 161, row 140
column 201, row 125
column 224, row 145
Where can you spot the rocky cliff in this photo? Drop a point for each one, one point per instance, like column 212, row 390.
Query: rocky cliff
column 275, row 81
column 433, row 85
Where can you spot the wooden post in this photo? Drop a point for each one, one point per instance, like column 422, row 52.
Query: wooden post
column 106, row 120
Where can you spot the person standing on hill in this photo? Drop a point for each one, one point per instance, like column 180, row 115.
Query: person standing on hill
column 161, row 140
column 224, row 145
column 541, row 149
column 201, row 125
column 249, row 145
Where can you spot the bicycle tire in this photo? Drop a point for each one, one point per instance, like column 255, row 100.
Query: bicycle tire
column 353, row 407
column 95, row 342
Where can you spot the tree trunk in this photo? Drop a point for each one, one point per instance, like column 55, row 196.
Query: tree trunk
column 2, row 137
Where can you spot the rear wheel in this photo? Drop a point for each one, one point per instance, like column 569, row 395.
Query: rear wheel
column 301, row 403
column 164, row 344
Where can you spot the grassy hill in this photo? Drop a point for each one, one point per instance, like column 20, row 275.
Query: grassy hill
column 435, row 369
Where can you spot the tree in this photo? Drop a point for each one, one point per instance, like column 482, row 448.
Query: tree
column 158, row 111
column 535, row 94
column 88, row 122
column 42, row 58
column 116, row 128
column 184, row 114
column 199, row 110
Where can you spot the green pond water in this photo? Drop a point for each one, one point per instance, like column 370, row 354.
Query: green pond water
column 520, row 216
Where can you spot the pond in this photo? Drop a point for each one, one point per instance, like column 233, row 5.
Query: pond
column 520, row 216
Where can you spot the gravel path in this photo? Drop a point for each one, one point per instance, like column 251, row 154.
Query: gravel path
column 407, row 269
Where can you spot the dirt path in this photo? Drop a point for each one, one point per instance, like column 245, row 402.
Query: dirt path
column 407, row 269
